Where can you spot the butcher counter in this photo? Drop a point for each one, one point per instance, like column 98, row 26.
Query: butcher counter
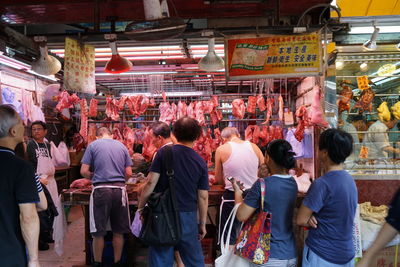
column 81, row 197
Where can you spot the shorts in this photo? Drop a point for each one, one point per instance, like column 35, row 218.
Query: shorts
column 109, row 213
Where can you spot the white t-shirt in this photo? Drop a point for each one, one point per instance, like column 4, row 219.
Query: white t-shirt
column 376, row 139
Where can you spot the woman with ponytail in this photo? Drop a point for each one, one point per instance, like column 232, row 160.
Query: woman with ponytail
column 280, row 197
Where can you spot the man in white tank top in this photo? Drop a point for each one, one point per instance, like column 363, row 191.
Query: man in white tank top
column 241, row 160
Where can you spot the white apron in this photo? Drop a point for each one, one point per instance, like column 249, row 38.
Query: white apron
column 45, row 166
column 124, row 201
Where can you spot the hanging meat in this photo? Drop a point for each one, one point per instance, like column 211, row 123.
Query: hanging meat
column 280, row 108
column 182, row 110
column 78, row 142
column 92, row 133
column 112, row 110
column 93, row 107
column 215, row 116
column 264, row 136
column 302, row 119
column 252, row 134
column 190, row 110
column 238, row 108
column 167, row 112
column 251, row 104
column 208, row 106
column 66, row 101
column 84, row 120
column 117, row 135
column 261, row 102
column 148, row 148
column 121, row 103
column 199, row 113
column 129, row 139
column 365, row 102
column 276, row 132
column 270, row 106
column 139, row 136
column 345, row 96
column 317, row 116
column 383, row 112
column 214, row 100
column 133, row 105
column 218, row 138
column 143, row 105
column 203, row 146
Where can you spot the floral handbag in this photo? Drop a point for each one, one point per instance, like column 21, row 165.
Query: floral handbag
column 254, row 239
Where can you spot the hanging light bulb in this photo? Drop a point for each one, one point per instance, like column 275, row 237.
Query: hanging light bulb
column 364, row 67
column 117, row 64
column 339, row 64
column 370, row 45
column 211, row 62
column 46, row 64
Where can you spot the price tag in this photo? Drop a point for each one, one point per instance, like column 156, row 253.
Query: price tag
column 362, row 82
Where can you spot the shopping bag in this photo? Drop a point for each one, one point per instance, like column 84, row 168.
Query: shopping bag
column 136, row 224
column 228, row 258
column 254, row 239
column 60, row 155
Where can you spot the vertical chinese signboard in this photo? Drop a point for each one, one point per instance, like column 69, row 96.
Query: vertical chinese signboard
column 79, row 67
column 248, row 56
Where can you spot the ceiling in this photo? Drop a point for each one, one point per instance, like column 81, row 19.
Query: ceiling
column 89, row 20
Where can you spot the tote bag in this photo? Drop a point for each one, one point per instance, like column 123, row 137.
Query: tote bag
column 228, row 258
column 254, row 239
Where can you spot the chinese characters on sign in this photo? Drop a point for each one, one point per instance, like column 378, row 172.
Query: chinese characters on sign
column 272, row 55
column 362, row 82
column 79, row 67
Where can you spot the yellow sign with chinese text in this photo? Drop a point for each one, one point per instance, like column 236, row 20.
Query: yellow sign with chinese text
column 249, row 56
column 362, row 82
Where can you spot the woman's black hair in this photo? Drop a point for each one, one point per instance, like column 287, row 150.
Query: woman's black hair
column 338, row 143
column 281, row 152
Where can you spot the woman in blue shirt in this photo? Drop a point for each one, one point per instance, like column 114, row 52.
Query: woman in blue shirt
column 280, row 197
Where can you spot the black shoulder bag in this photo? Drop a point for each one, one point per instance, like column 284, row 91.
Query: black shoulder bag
column 162, row 225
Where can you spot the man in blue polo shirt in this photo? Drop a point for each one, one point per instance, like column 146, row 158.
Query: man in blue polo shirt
column 19, row 222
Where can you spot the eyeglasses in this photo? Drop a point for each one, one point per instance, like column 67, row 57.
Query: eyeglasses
column 37, row 129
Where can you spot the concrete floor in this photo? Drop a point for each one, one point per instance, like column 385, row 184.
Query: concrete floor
column 74, row 247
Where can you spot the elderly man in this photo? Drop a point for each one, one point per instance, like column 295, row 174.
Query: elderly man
column 191, row 185
column 111, row 165
column 19, row 222
column 241, row 160
column 161, row 135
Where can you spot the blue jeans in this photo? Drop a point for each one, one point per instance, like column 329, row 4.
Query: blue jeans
column 189, row 247
column 277, row 263
column 310, row 259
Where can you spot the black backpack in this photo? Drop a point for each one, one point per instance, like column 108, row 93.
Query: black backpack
column 162, row 225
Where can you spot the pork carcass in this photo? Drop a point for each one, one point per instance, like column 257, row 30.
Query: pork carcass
column 199, row 113
column 139, row 136
column 66, row 101
column 208, row 107
column 365, row 102
column 148, row 148
column 112, row 110
column 164, row 96
column 117, row 135
column 264, row 136
column 93, row 107
column 204, row 146
column 81, row 184
column 84, row 120
column 302, row 122
column 280, row 108
column 214, row 100
column 345, row 96
column 174, row 111
column 190, row 110
column 217, row 137
column 167, row 114
column 276, row 132
column 121, row 102
column 251, row 104
column 238, row 108
column 215, row 116
column 78, row 142
column 132, row 103
column 270, row 106
column 317, row 115
column 129, row 139
column 261, row 102
column 92, row 133
column 152, row 103
column 182, row 110
column 144, row 103
column 252, row 134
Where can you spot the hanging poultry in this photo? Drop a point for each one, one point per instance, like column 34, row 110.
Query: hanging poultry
column 344, row 99
column 383, row 112
column 396, row 110
column 365, row 102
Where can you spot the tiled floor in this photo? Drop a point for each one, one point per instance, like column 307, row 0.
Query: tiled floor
column 73, row 244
